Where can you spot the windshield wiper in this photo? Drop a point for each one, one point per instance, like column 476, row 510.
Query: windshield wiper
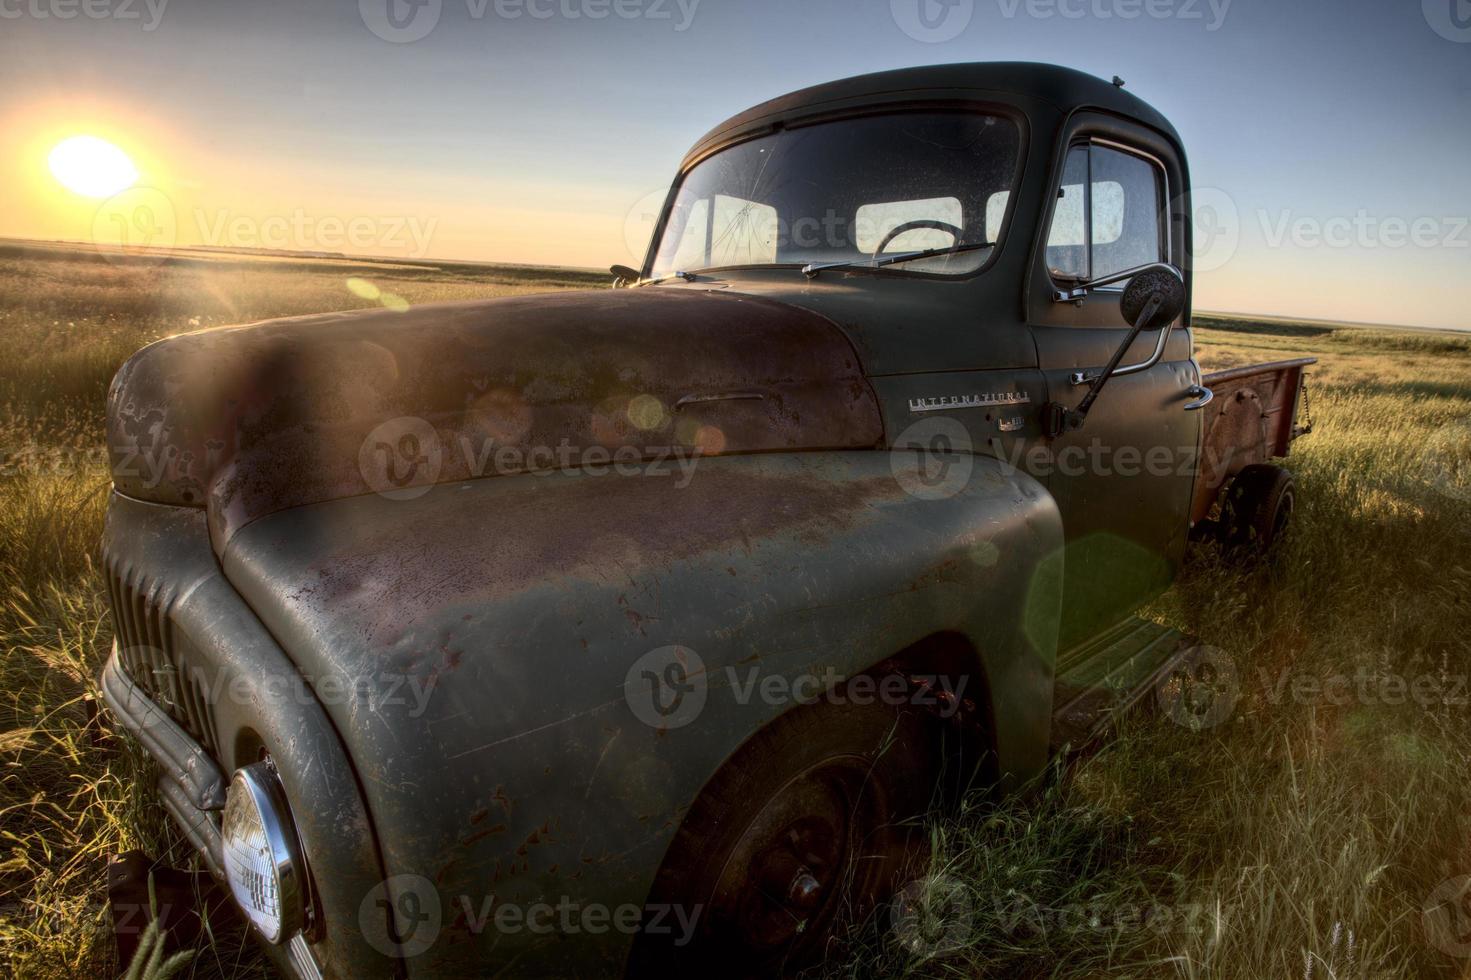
column 686, row 276
column 811, row 271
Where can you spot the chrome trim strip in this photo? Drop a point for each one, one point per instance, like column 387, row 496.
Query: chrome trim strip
column 723, row 396
column 1084, row 378
column 197, row 826
column 943, row 403
column 184, row 760
column 299, row 956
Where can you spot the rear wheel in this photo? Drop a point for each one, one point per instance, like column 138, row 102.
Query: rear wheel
column 810, row 824
column 1257, row 511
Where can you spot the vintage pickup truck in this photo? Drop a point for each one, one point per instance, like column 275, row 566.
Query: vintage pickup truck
column 628, row 630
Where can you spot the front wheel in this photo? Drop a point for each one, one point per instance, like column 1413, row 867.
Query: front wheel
column 809, row 824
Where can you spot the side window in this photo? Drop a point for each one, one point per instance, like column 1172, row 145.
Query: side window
column 1110, row 214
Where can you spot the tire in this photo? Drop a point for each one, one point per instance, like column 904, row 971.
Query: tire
column 809, row 825
column 1257, row 510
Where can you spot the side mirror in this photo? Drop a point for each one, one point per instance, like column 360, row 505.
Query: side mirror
column 624, row 276
column 1154, row 298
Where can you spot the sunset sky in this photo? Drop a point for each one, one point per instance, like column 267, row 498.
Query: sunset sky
column 1331, row 138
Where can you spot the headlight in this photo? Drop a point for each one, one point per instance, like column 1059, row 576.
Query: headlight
column 262, row 856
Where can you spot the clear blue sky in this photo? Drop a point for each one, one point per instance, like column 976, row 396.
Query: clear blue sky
column 535, row 139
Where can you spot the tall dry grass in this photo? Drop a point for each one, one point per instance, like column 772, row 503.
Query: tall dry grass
column 69, row 796
column 1307, row 834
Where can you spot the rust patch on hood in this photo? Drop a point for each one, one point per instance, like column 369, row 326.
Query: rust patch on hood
column 252, row 420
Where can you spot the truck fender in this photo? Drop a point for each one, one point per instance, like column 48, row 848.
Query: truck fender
column 597, row 646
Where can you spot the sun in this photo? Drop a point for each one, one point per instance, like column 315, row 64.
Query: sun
column 91, row 166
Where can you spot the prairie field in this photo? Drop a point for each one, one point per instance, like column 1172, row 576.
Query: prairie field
column 1321, row 829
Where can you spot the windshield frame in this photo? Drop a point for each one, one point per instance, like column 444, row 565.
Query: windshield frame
column 968, row 106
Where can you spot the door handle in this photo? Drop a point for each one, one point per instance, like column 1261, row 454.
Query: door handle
column 1203, row 396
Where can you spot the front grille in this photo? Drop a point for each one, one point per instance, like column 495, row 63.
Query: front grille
column 154, row 655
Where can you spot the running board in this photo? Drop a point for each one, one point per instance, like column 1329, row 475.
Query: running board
column 1098, row 682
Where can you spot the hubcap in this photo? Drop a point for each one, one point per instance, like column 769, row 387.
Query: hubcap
column 808, row 849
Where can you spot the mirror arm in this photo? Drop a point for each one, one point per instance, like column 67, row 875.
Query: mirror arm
column 1150, row 309
column 1078, row 292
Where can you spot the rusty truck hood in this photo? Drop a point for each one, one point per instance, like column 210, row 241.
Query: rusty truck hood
column 251, row 420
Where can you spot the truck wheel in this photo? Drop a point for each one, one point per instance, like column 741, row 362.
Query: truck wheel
column 1258, row 509
column 815, row 816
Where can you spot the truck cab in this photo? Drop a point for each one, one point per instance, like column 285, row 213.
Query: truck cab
column 634, row 630
column 1021, row 182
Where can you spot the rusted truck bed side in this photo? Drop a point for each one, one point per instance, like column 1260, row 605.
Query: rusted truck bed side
column 1253, row 418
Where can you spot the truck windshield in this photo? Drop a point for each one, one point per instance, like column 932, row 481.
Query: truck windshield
column 852, row 190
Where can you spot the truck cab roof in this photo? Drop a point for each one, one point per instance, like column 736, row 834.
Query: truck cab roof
column 1019, row 83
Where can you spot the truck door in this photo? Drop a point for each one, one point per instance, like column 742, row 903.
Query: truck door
column 1123, row 482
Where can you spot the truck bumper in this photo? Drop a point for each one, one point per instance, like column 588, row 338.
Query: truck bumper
column 192, row 790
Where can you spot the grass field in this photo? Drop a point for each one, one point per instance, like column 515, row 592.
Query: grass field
column 1301, row 837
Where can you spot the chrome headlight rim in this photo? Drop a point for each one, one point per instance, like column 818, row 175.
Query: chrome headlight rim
column 258, row 787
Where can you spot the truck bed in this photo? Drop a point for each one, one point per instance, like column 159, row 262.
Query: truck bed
column 1253, row 418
